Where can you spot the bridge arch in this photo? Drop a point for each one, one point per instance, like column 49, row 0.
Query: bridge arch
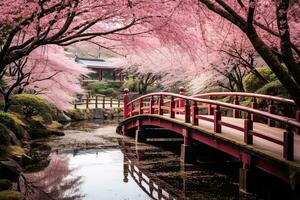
column 243, row 138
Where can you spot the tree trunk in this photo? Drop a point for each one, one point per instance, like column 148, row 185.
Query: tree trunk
column 7, row 103
column 273, row 62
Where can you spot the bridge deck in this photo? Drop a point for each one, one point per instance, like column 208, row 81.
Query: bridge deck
column 260, row 144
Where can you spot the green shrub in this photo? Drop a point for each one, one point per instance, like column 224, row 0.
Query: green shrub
column 274, row 88
column 252, row 82
column 10, row 122
column 4, row 135
column 131, row 84
column 31, row 105
column 112, row 89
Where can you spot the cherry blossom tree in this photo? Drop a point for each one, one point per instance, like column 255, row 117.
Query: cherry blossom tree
column 46, row 72
column 272, row 28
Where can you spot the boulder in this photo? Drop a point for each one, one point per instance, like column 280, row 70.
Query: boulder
column 62, row 117
column 10, row 169
column 10, row 195
column 44, row 133
column 5, row 184
column 13, row 138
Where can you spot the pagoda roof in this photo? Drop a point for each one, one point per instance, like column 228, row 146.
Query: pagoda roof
column 94, row 63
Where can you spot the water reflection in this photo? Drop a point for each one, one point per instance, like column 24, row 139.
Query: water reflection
column 54, row 182
column 131, row 171
column 161, row 175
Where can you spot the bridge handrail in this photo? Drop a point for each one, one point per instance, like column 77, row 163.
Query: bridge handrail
column 245, row 94
column 282, row 119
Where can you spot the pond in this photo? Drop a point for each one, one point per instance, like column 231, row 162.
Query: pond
column 92, row 162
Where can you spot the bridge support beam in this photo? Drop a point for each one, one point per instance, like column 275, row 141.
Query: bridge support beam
column 246, row 174
column 140, row 135
column 187, row 152
column 246, row 180
column 295, row 185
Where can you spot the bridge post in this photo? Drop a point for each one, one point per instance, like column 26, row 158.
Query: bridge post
column 187, row 111
column 172, row 106
column 288, row 144
column 254, row 106
column 187, row 154
column 217, row 119
column 96, row 101
column 160, row 104
column 210, row 108
column 298, row 120
column 87, row 101
column 125, row 103
column 271, row 109
column 195, row 120
column 125, row 169
column 141, row 107
column 140, row 133
column 124, row 130
column 295, row 184
column 181, row 101
column 151, row 111
column 248, row 126
column 246, row 175
column 236, row 113
column 103, row 101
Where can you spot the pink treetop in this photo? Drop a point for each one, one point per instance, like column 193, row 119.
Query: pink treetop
column 53, row 75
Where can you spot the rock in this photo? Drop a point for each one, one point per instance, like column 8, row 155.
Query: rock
column 4, row 135
column 5, row 184
column 10, row 195
column 13, row 138
column 38, row 157
column 44, row 133
column 98, row 113
column 10, row 169
column 62, row 117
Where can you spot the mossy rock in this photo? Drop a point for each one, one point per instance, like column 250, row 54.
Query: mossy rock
column 10, row 169
column 38, row 154
column 5, row 184
column 43, row 133
column 33, row 124
column 30, row 105
column 3, row 149
column 80, row 114
column 4, row 135
column 54, row 125
column 15, row 150
column 10, row 195
column 9, row 121
column 252, row 82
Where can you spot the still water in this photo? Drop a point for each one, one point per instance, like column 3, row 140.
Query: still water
column 118, row 168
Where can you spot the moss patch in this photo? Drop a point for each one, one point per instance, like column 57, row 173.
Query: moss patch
column 15, row 150
column 4, row 135
column 11, row 123
column 10, row 195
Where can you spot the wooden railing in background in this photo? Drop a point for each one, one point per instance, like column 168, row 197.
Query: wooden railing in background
column 97, row 101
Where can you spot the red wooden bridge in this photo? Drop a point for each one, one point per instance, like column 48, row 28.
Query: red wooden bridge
column 260, row 136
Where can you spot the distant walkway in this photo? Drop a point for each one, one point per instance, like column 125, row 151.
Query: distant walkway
column 97, row 101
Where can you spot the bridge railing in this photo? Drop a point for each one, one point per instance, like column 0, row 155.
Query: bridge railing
column 272, row 103
column 154, row 103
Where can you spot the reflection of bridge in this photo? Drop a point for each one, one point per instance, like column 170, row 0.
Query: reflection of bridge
column 260, row 137
column 149, row 186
